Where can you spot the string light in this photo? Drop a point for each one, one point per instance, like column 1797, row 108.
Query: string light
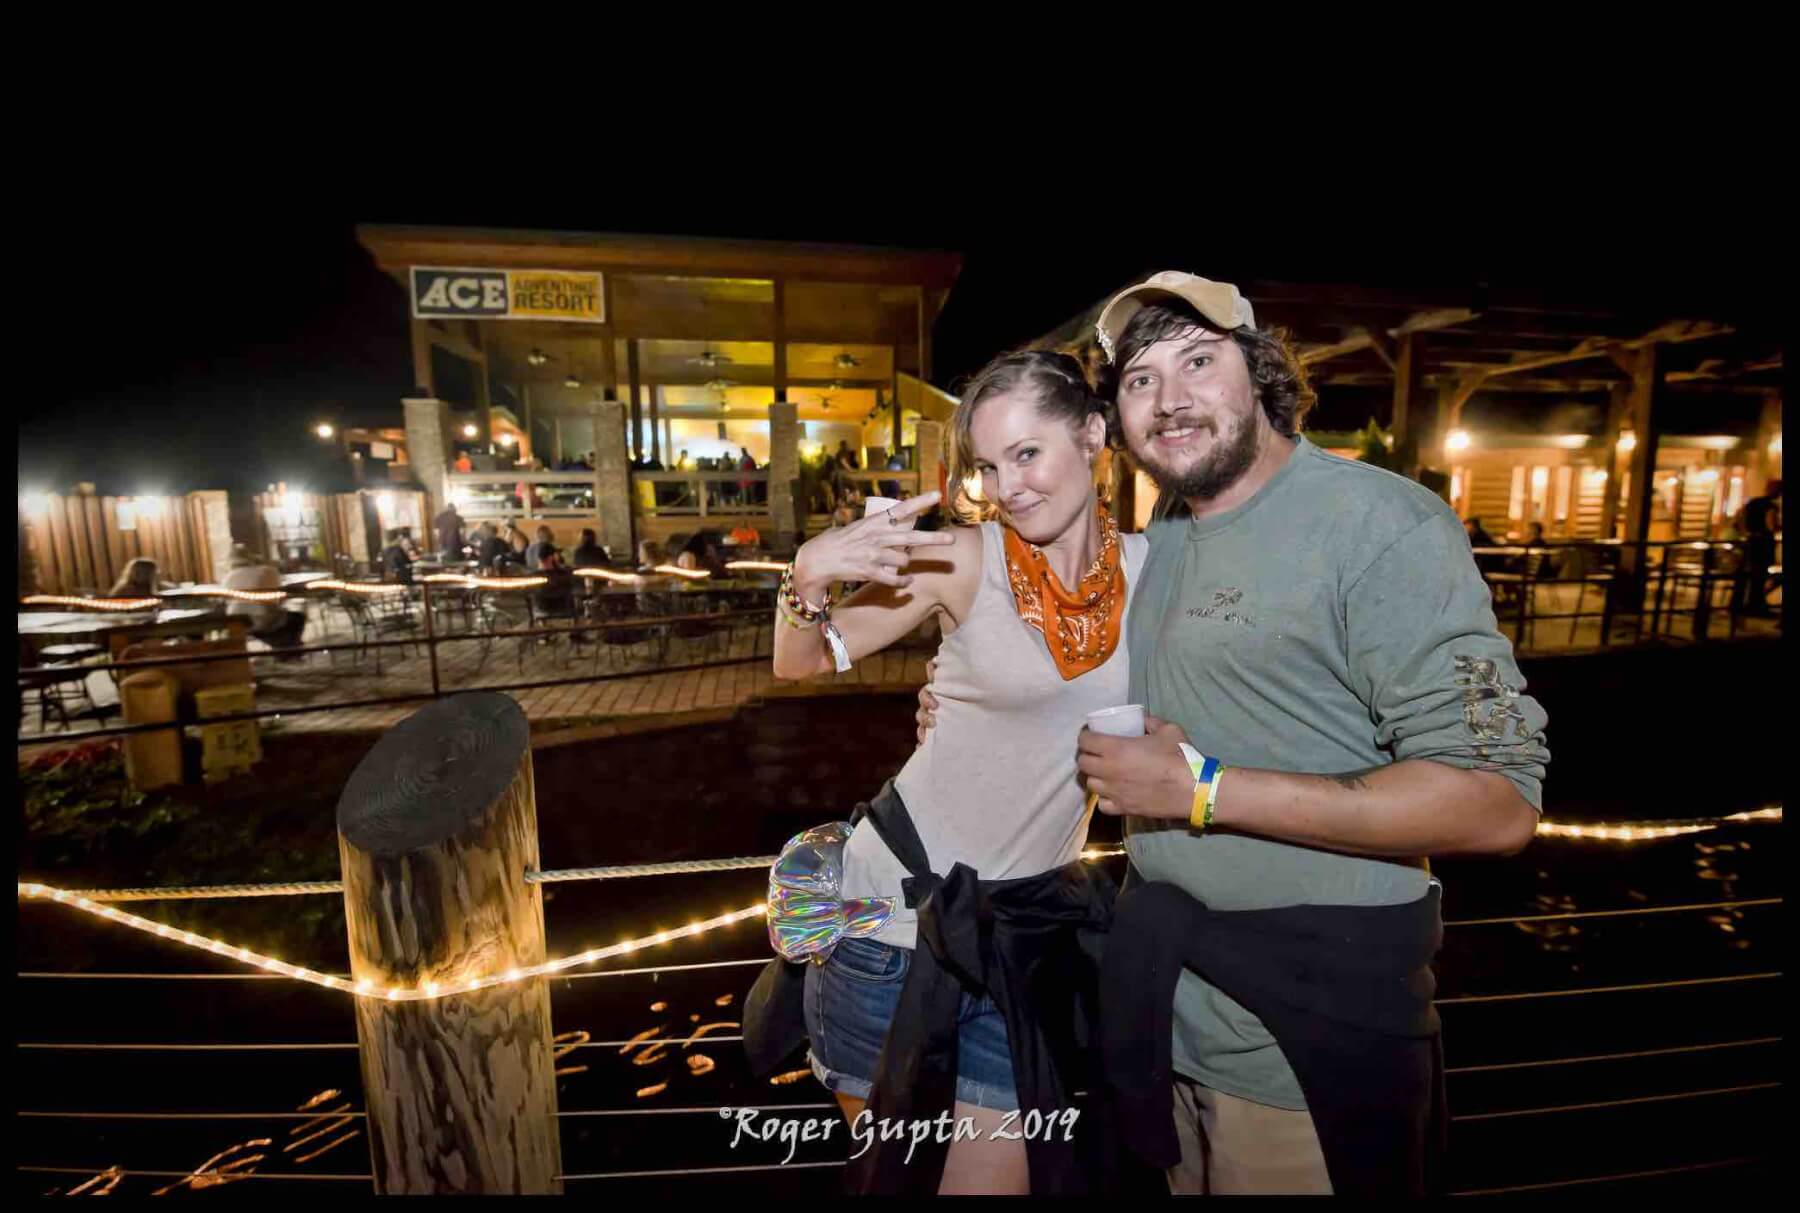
column 426, row 992
column 356, row 587
column 690, row 574
column 94, row 604
column 608, row 574
column 759, row 566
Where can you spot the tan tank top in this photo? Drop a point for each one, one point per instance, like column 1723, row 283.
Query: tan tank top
column 994, row 784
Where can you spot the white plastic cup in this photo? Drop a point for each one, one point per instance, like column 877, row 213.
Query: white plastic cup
column 881, row 505
column 1127, row 720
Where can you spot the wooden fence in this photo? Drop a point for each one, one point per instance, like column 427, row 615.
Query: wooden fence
column 83, row 542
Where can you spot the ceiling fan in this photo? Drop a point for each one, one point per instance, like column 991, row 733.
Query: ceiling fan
column 709, row 360
column 846, row 362
column 719, row 385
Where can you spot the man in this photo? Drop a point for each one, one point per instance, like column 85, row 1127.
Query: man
column 1314, row 631
column 1319, row 626
column 449, row 528
column 1478, row 536
column 270, row 622
column 396, row 561
column 1762, row 518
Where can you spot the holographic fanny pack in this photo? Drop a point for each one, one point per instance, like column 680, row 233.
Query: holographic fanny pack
column 807, row 910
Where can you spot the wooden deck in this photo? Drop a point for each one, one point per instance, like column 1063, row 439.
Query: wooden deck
column 621, row 690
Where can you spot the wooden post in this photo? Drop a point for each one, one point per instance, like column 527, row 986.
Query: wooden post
column 1641, row 492
column 436, row 830
column 636, row 445
column 1407, row 401
column 1618, row 409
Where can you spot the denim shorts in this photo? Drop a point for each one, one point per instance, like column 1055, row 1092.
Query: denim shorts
column 850, row 1001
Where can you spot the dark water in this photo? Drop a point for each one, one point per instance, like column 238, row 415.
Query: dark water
column 742, row 787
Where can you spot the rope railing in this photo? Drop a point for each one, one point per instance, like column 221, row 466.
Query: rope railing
column 1548, row 829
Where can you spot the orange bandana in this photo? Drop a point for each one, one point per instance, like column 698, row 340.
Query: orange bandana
column 1081, row 627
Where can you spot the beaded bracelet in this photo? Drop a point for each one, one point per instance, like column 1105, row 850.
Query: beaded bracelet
column 790, row 597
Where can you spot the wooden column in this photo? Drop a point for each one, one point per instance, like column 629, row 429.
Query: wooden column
column 609, row 358
column 780, row 332
column 1407, row 403
column 483, row 391
column 1645, row 386
column 1765, row 465
column 1618, row 413
column 636, row 444
column 436, row 830
column 423, row 383
column 785, row 515
column 927, row 321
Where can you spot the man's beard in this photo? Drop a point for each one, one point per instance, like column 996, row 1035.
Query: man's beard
column 1223, row 467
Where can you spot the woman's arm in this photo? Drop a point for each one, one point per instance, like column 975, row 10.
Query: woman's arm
column 902, row 587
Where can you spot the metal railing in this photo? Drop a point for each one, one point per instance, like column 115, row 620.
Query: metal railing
column 699, row 494
column 423, row 632
column 1657, row 585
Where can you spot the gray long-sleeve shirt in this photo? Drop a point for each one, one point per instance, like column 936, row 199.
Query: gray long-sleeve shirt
column 1335, row 622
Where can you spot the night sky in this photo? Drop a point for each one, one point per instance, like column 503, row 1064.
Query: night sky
column 194, row 347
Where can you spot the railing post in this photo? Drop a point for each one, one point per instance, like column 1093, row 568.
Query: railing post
column 437, row 828
column 430, row 637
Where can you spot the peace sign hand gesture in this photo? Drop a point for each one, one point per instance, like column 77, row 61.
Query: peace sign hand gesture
column 876, row 548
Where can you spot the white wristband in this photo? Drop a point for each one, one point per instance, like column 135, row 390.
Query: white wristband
column 840, row 652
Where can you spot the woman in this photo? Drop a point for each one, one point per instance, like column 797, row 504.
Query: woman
column 1023, row 661
column 139, row 580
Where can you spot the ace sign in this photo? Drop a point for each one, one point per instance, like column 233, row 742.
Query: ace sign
column 484, row 294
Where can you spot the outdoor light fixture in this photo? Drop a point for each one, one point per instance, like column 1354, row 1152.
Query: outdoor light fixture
column 1457, row 440
column 537, row 357
column 150, row 506
column 325, row 430
column 469, row 431
column 507, row 439
column 290, row 500
column 1775, row 445
column 35, row 505
column 1627, row 441
column 384, row 502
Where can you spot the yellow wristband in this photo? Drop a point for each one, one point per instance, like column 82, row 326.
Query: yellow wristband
column 1206, row 786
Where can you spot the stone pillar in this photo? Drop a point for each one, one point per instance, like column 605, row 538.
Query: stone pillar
column 931, row 456
column 784, row 470
column 612, row 479
column 428, row 447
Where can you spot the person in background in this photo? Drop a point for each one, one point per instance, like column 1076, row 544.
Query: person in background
column 891, row 488
column 489, row 547
column 1760, row 522
column 463, row 462
column 396, row 561
column 138, row 580
column 745, row 536
column 270, row 622
column 650, row 554
column 589, row 553
column 448, row 526
column 1478, row 536
column 534, row 551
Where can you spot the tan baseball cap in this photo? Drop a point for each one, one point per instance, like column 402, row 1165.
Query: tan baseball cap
column 1219, row 302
